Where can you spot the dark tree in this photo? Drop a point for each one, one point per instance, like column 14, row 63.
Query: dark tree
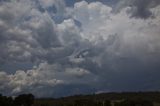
column 107, row 103
column 24, row 100
column 84, row 102
column 6, row 101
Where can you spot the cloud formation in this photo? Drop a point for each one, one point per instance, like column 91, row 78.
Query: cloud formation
column 50, row 49
column 140, row 8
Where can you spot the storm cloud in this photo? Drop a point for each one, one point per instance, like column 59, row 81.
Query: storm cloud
column 140, row 8
column 52, row 49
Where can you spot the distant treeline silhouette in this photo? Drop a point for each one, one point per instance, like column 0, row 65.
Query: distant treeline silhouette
column 90, row 102
column 104, row 99
column 21, row 100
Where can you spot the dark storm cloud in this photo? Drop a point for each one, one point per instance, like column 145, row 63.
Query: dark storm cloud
column 140, row 8
column 85, row 48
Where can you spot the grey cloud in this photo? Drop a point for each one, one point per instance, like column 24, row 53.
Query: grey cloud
column 140, row 8
column 45, row 75
column 22, row 38
column 77, row 72
column 101, row 52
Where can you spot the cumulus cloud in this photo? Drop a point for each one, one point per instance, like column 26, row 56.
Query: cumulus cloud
column 47, row 47
column 77, row 71
column 22, row 80
column 40, row 77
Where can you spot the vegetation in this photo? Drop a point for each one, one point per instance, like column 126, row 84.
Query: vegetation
column 104, row 99
column 137, row 102
column 21, row 100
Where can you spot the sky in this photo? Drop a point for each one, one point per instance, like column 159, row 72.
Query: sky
column 54, row 48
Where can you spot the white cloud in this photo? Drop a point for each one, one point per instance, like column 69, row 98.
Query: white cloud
column 68, row 32
column 92, row 17
column 40, row 76
column 43, row 75
column 135, row 34
column 77, row 72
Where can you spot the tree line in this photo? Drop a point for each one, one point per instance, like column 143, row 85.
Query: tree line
column 21, row 100
column 104, row 99
column 90, row 102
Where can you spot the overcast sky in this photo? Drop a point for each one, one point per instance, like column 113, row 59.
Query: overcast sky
column 54, row 48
